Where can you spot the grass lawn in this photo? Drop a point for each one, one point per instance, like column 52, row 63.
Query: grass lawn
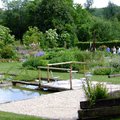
column 12, row 116
column 16, row 68
column 24, row 74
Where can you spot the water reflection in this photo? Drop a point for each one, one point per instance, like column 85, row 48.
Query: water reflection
column 9, row 94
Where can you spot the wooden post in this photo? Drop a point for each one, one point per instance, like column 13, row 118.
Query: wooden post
column 39, row 73
column 71, row 76
column 48, row 77
column 84, row 69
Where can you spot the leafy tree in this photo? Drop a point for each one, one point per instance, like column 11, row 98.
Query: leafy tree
column 115, row 24
column 51, row 37
column 6, row 41
column 84, row 22
column 7, row 52
column 16, row 17
column 53, row 14
column 33, row 35
column 57, row 14
column 5, row 36
column 101, row 30
column 64, row 40
column 110, row 10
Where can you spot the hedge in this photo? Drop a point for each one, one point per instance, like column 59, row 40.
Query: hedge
column 86, row 45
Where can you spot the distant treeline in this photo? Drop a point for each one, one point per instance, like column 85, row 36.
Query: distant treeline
column 71, row 21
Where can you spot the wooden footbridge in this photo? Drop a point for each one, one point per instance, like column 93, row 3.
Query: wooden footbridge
column 55, row 85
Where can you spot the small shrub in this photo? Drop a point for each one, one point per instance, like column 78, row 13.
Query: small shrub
column 102, row 71
column 82, row 56
column 7, row 52
column 96, row 92
column 35, row 62
column 63, row 56
column 116, row 65
column 5, row 37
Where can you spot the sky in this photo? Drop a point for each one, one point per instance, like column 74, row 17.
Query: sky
column 97, row 3
column 0, row 4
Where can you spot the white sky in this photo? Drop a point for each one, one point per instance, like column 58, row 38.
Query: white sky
column 0, row 3
column 97, row 3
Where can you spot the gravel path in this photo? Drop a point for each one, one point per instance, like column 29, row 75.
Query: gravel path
column 55, row 106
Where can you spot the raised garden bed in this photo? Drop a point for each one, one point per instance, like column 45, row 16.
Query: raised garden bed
column 101, row 109
column 100, row 103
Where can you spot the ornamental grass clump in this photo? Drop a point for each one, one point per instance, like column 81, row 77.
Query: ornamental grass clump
column 95, row 92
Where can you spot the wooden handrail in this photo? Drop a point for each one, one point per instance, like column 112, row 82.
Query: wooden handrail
column 53, row 68
column 70, row 62
column 65, row 69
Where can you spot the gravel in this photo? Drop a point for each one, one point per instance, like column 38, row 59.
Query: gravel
column 55, row 106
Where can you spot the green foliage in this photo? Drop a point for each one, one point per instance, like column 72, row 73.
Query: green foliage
column 83, row 21
column 110, row 10
column 7, row 52
column 82, row 56
column 101, row 30
column 33, row 35
column 1, row 44
column 5, row 36
column 102, row 71
column 63, row 56
column 86, row 45
column 100, row 91
column 64, row 16
column 51, row 38
column 6, row 41
column 70, row 55
column 57, row 15
column 115, row 63
column 34, row 62
column 64, row 40
column 95, row 92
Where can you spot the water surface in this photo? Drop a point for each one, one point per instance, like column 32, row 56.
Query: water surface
column 10, row 93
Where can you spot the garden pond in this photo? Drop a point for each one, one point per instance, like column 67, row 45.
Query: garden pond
column 11, row 93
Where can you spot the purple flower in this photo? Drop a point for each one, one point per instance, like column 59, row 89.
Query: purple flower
column 40, row 53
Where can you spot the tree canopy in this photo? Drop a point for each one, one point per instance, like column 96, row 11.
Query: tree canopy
column 71, row 22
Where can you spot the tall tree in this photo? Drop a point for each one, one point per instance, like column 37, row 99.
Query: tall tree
column 83, row 21
column 101, row 30
column 16, row 16
column 110, row 10
column 56, row 14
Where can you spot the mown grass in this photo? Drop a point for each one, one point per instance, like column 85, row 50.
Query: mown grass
column 25, row 74
column 16, row 68
column 12, row 116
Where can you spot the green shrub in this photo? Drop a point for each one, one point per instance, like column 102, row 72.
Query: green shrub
column 100, row 91
column 63, row 56
column 96, row 63
column 5, row 36
column 95, row 92
column 82, row 56
column 35, row 62
column 7, row 52
column 116, row 65
column 102, row 71
column 31, row 36
column 50, row 55
column 86, row 45
column 1, row 44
